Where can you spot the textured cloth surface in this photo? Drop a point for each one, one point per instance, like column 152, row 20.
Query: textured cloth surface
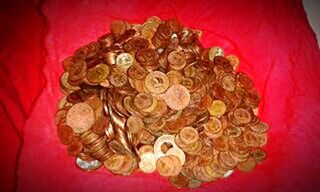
column 273, row 40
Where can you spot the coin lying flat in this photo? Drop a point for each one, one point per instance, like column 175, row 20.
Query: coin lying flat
column 124, row 60
column 98, row 74
column 80, row 117
column 156, row 82
column 217, row 108
column 147, row 163
column 188, row 135
column 135, row 124
column 177, row 60
column 177, row 97
column 177, row 152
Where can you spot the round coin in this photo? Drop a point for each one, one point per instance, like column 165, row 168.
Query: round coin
column 234, row 61
column 177, row 152
column 177, row 60
column 135, row 124
column 189, row 135
column 215, row 51
column 165, row 166
column 217, row 108
column 177, row 97
column 156, row 82
column 98, row 73
column 148, row 163
column 80, row 117
column 124, row 60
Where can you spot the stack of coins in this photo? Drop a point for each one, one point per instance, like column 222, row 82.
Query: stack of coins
column 150, row 97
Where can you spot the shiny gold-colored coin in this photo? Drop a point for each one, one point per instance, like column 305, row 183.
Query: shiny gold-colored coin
column 124, row 60
column 98, row 74
column 217, row 108
column 234, row 61
column 148, row 29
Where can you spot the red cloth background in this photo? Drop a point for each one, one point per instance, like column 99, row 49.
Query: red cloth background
column 273, row 40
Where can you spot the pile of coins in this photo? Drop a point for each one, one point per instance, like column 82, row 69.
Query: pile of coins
column 150, row 97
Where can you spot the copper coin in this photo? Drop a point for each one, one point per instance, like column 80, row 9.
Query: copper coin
column 156, row 82
column 194, row 184
column 213, row 125
column 118, row 27
column 177, row 97
column 157, row 126
column 60, row 116
column 174, row 126
column 189, row 135
column 228, row 83
column 115, row 162
column 242, row 116
column 177, row 60
column 142, row 100
column 100, row 125
column 65, row 85
column 248, row 165
column 187, row 83
column 145, row 149
column 234, row 61
column 179, row 181
column 118, row 79
column 177, row 152
column 147, row 57
column 136, row 44
column 75, row 147
column 117, row 147
column 80, row 117
column 174, row 25
column 136, row 71
column 245, row 81
column 261, row 127
column 174, row 77
column 65, row 134
column 259, row 155
column 177, row 164
column 135, row 124
column 166, row 166
column 221, row 143
column 77, row 72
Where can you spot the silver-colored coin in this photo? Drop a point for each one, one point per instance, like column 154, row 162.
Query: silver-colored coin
column 215, row 51
column 228, row 173
column 88, row 165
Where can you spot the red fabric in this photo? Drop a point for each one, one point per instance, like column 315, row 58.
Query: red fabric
column 273, row 39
